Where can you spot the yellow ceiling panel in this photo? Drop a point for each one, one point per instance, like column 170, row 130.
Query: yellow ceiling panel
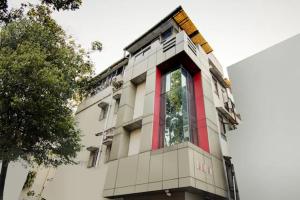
column 197, row 39
column 207, row 48
column 188, row 26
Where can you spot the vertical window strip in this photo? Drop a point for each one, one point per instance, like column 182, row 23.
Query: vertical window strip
column 178, row 122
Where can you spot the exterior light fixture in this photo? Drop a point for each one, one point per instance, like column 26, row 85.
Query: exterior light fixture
column 168, row 193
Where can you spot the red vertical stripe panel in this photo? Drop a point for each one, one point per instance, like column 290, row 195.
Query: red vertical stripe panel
column 201, row 117
column 155, row 136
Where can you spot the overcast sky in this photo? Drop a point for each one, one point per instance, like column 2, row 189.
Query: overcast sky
column 235, row 29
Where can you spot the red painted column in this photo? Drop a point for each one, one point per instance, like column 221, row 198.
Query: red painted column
column 200, row 110
column 155, row 135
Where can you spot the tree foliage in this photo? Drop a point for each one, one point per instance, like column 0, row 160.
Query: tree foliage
column 174, row 115
column 41, row 71
column 177, row 114
column 97, row 46
column 7, row 15
column 63, row 4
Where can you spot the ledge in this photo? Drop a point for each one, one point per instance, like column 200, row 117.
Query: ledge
column 219, row 77
column 228, row 115
column 102, row 104
column 134, row 124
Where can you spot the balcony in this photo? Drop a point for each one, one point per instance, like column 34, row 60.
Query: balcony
column 228, row 110
column 159, row 52
column 178, row 44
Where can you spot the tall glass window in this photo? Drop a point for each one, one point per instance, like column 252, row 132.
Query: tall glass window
column 177, row 114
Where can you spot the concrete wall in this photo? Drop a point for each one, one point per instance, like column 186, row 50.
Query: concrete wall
column 265, row 148
column 177, row 166
column 77, row 182
column 134, row 142
column 139, row 100
column 41, row 181
column 15, row 178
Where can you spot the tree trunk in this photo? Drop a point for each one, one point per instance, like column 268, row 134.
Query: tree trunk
column 3, row 177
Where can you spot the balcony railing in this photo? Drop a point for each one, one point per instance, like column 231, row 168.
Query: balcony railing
column 229, row 111
column 114, row 79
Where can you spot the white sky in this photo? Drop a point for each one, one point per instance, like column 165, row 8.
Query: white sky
column 235, row 29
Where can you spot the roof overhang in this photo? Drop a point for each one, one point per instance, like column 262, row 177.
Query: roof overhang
column 217, row 74
column 186, row 24
column 180, row 17
column 123, row 61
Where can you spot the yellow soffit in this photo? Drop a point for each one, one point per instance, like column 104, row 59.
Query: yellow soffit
column 188, row 26
column 228, row 82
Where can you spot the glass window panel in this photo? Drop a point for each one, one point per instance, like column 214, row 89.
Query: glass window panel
column 175, row 80
column 173, row 117
column 166, row 34
column 183, row 78
column 177, row 116
column 167, row 82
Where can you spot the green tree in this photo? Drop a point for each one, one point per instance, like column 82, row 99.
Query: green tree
column 42, row 71
column 174, row 107
column 7, row 15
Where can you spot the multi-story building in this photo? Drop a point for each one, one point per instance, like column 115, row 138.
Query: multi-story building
column 155, row 127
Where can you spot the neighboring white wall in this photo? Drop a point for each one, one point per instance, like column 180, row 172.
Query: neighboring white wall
column 139, row 100
column 41, row 180
column 76, row 183
column 134, row 142
column 265, row 148
column 15, row 178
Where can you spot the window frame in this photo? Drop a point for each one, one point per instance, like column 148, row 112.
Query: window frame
column 117, row 105
column 93, row 158
column 222, row 124
column 103, row 113
column 216, row 87
column 107, row 153
column 190, row 107
column 166, row 34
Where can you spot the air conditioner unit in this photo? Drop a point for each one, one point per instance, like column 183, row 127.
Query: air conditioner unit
column 108, row 136
column 117, row 82
column 107, row 140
